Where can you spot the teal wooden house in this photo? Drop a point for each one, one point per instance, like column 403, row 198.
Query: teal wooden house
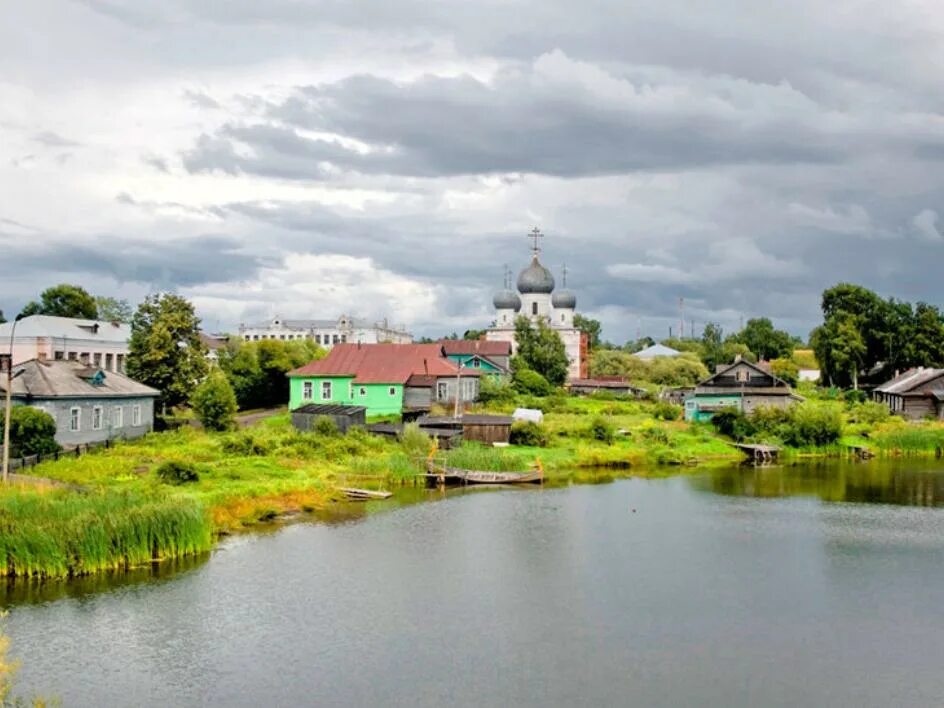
column 479, row 354
column 741, row 385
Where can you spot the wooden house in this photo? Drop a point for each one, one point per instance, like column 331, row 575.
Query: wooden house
column 617, row 385
column 486, row 429
column 489, row 356
column 915, row 394
column 740, row 385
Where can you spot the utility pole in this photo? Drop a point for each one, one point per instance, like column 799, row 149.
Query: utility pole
column 681, row 318
column 9, row 406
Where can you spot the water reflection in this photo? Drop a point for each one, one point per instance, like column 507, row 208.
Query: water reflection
column 896, row 482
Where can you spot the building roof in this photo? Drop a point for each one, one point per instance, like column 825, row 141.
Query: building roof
column 213, row 341
column 383, row 363
column 564, row 300
column 466, row 419
column 656, row 350
column 722, row 370
column 507, row 300
column 72, row 379
column 349, row 322
column 910, row 380
column 66, row 328
column 535, row 278
column 330, row 409
column 463, row 347
column 602, row 383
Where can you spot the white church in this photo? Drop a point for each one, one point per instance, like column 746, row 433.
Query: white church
column 536, row 299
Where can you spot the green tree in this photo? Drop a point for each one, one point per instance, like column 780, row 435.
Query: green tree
column 590, row 327
column 32, row 432
column 713, row 346
column 214, row 402
column 63, row 300
column 473, row 334
column 112, row 309
column 766, row 342
column 785, row 369
column 847, row 346
column 257, row 370
column 540, row 349
column 925, row 341
column 165, row 351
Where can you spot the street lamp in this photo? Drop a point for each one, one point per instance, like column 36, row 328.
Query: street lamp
column 9, row 406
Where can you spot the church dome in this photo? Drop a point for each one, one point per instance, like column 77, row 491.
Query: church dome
column 535, row 279
column 564, row 300
column 507, row 300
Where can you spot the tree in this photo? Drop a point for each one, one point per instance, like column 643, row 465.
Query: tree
column 257, row 370
column 766, row 342
column 638, row 345
column 473, row 334
column 112, row 309
column 63, row 300
column 165, row 351
column 540, row 349
column 925, row 343
column 2, row 318
column 32, row 432
column 214, row 402
column 785, row 369
column 590, row 327
column 847, row 346
column 713, row 346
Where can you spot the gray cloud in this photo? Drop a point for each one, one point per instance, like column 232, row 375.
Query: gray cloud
column 51, row 139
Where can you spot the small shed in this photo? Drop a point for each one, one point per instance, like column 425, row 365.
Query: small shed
column 481, row 428
column 446, row 438
column 344, row 417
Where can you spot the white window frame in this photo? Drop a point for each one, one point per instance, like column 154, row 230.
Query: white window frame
column 308, row 390
column 75, row 419
column 136, row 415
column 442, row 390
column 117, row 417
column 98, row 416
column 327, row 391
column 476, row 363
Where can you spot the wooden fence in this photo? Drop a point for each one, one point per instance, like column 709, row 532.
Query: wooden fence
column 25, row 462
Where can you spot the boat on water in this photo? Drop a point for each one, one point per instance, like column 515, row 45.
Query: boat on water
column 443, row 474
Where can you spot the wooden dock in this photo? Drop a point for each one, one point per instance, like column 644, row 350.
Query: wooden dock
column 759, row 454
column 364, row 494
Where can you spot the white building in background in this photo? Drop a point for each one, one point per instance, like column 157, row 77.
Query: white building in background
column 97, row 343
column 536, row 299
column 327, row 333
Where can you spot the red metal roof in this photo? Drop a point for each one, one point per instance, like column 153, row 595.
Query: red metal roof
column 382, row 363
column 454, row 347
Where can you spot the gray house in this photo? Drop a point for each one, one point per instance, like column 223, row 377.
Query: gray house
column 87, row 403
column 915, row 394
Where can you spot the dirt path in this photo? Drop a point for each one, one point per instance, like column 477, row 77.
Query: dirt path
column 244, row 420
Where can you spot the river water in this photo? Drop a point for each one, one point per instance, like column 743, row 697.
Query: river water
column 813, row 586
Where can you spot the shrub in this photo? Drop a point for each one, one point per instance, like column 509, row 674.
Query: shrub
column 733, row 423
column 245, row 444
column 656, row 433
column 531, row 382
column 870, row 412
column 603, row 430
column 414, row 441
column 528, row 433
column 855, row 396
column 177, row 472
column 215, row 403
column 32, row 431
column 325, row 426
column 813, row 425
column 786, row 369
column 496, row 389
column 666, row 411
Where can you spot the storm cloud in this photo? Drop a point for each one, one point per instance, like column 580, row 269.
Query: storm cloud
column 386, row 159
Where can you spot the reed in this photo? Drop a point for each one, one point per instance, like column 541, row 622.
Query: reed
column 58, row 534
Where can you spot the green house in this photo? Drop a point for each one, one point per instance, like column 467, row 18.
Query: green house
column 479, row 354
column 387, row 379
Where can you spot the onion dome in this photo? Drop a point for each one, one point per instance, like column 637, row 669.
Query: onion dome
column 535, row 279
column 507, row 300
column 564, row 300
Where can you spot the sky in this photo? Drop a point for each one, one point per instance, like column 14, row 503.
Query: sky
column 386, row 158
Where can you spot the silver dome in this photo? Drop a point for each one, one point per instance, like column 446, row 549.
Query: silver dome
column 564, row 300
column 535, row 279
column 507, row 300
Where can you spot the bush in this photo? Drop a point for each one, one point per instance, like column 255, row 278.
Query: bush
column 855, row 396
column 528, row 433
column 32, row 432
column 733, row 423
column 870, row 412
column 531, row 382
column 244, row 444
column 325, row 427
column 603, row 430
column 215, row 403
column 175, row 472
column 785, row 369
column 813, row 425
column 415, row 442
column 666, row 411
column 496, row 389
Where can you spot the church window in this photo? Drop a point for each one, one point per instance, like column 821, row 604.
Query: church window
column 534, row 308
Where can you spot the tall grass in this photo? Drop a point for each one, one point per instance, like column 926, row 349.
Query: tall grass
column 61, row 534
column 910, row 440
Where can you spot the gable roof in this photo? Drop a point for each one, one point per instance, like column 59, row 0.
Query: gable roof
column 383, row 363
column 722, row 370
column 67, row 327
column 482, row 347
column 72, row 379
column 657, row 350
column 910, row 380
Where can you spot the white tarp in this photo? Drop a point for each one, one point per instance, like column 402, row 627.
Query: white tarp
column 530, row 414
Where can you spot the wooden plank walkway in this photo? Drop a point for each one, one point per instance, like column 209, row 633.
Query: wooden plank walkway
column 759, row 453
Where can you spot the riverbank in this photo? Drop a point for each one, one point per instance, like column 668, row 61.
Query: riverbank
column 120, row 513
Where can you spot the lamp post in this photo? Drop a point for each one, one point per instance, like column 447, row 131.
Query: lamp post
column 9, row 406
